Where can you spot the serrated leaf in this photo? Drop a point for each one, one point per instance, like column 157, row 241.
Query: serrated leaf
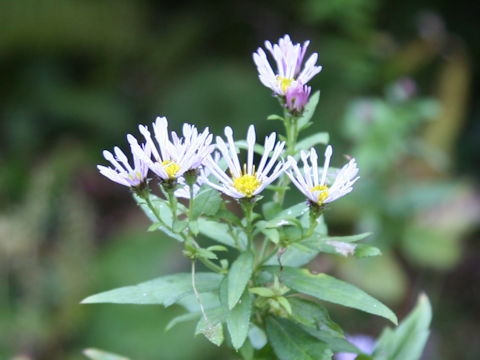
column 96, row 354
column 289, row 341
column 311, row 141
column 309, row 111
column 328, row 288
column 207, row 202
column 408, row 339
column 238, row 277
column 164, row 290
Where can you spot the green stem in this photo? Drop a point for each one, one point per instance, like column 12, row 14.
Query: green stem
column 248, row 209
column 190, row 204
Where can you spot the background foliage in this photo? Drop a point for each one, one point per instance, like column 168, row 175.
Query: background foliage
column 399, row 85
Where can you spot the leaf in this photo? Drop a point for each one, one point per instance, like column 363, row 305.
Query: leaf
column 364, row 250
column 96, row 354
column 218, row 232
column 309, row 111
column 238, row 277
column 212, row 329
column 328, row 288
column 275, row 117
column 179, row 225
column 289, row 341
column 207, row 202
column 181, row 319
column 311, row 141
column 164, row 290
column 349, row 239
column 238, row 319
column 408, row 339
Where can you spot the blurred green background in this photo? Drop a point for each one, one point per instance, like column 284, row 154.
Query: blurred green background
column 399, row 91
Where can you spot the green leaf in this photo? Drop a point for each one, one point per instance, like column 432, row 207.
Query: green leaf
column 408, row 339
column 182, row 318
column 207, row 202
column 218, row 232
column 328, row 288
column 164, row 290
column 212, row 329
column 289, row 341
column 275, row 117
column 349, row 239
column 262, row 291
column 309, row 111
column 95, row 354
column 364, row 250
column 179, row 225
column 238, row 319
column 312, row 140
column 238, row 277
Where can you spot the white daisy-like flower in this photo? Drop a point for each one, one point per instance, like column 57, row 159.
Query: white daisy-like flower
column 316, row 191
column 288, row 58
column 174, row 157
column 246, row 181
column 122, row 172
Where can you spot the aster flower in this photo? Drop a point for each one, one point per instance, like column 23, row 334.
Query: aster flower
column 122, row 172
column 297, row 97
column 174, row 157
column 288, row 58
column 318, row 192
column 248, row 181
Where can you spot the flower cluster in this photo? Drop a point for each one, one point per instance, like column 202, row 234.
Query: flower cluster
column 172, row 158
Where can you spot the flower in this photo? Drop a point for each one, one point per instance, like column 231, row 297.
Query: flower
column 177, row 156
column 297, row 97
column 246, row 182
column 122, row 172
column 288, row 58
column 319, row 192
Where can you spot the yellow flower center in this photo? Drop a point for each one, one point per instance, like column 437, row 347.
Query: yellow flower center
column 284, row 83
column 246, row 184
column 323, row 195
column 171, row 168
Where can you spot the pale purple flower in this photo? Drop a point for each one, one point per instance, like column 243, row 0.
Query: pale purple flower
column 174, row 157
column 246, row 181
column 122, row 172
column 288, row 58
column 364, row 343
column 318, row 191
column 297, row 97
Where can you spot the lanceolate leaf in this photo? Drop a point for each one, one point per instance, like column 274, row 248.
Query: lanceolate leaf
column 164, row 290
column 207, row 202
column 315, row 139
column 328, row 288
column 408, row 340
column 289, row 342
column 238, row 319
column 238, row 277
column 309, row 110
